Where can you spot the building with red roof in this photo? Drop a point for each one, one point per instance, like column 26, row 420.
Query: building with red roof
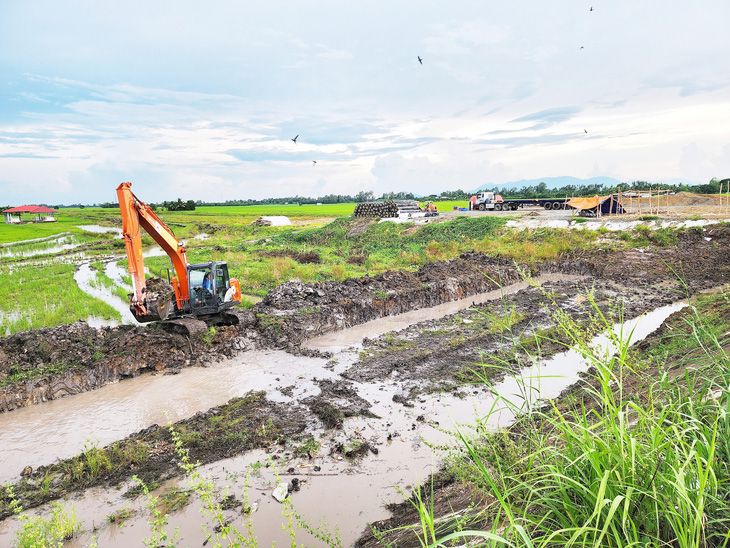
column 38, row 214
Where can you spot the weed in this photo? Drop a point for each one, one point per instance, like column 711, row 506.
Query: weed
column 120, row 516
column 309, row 448
column 209, row 336
column 39, row 532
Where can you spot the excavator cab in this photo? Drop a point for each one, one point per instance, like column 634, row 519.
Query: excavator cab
column 210, row 288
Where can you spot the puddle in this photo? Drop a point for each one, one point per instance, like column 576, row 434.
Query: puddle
column 116, row 273
column 39, row 434
column 41, row 246
column 83, row 276
column 549, row 378
column 98, row 229
column 154, row 252
column 35, row 240
column 6, row 318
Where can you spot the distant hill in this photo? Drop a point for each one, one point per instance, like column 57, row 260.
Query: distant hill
column 552, row 182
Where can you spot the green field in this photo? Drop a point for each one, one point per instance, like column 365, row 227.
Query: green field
column 323, row 243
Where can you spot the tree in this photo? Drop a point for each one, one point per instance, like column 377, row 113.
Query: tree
column 364, row 196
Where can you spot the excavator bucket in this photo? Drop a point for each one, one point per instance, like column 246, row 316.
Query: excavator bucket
column 159, row 296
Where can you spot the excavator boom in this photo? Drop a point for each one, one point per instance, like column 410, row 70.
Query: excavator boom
column 135, row 215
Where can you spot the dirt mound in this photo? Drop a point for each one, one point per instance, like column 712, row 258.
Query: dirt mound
column 686, row 199
column 296, row 311
column 53, row 362
column 359, row 225
column 308, row 257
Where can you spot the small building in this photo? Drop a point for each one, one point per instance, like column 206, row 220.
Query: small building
column 32, row 213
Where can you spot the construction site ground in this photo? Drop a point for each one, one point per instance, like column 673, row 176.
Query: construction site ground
column 427, row 358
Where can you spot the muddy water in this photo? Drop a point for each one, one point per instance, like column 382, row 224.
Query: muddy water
column 39, row 434
column 83, row 276
column 339, row 340
column 339, row 493
column 98, row 229
column 44, row 246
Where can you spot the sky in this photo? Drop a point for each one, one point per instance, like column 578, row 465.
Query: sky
column 201, row 100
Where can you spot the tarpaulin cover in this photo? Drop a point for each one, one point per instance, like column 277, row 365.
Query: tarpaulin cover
column 587, row 203
column 607, row 204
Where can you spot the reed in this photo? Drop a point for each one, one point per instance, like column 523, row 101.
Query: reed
column 616, row 469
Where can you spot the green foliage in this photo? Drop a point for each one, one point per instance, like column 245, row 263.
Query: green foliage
column 209, row 336
column 49, row 297
column 39, row 532
column 15, row 374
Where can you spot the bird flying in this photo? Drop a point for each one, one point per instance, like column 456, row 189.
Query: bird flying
column 419, row 59
column 295, row 138
column 314, row 162
column 585, row 131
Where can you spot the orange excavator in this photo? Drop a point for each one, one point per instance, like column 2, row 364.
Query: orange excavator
column 196, row 296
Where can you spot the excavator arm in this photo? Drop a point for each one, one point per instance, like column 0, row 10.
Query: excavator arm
column 135, row 215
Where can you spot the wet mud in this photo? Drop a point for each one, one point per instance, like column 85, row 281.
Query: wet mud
column 50, row 363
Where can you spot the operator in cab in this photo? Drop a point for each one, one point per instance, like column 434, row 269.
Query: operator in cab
column 207, row 282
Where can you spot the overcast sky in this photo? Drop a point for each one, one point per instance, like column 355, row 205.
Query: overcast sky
column 200, row 100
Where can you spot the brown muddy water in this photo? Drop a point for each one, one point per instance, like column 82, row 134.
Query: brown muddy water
column 335, row 494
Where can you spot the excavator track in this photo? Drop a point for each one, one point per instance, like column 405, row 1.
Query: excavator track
column 191, row 326
column 184, row 326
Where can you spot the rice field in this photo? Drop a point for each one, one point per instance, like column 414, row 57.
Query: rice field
column 45, row 295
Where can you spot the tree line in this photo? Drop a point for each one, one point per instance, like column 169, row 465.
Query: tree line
column 178, row 205
column 540, row 190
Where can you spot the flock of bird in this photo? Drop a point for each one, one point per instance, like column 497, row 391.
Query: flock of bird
column 420, row 60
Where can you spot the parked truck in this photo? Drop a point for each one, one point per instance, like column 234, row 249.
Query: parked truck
column 491, row 201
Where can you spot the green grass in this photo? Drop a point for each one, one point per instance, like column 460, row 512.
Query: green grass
column 616, row 467
column 264, row 257
column 31, row 231
column 39, row 532
column 15, row 374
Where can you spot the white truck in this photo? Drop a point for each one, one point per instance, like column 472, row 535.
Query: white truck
column 487, row 200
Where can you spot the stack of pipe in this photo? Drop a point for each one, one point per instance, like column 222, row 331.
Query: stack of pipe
column 376, row 209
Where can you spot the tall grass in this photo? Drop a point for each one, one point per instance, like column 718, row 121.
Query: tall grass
column 617, row 468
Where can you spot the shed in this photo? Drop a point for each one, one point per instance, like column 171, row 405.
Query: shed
column 37, row 214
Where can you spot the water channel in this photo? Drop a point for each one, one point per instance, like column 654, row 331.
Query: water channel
column 344, row 495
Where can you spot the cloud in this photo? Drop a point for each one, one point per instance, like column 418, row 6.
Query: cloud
column 462, row 37
column 548, row 117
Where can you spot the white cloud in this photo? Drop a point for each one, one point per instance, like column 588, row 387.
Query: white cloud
column 213, row 97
